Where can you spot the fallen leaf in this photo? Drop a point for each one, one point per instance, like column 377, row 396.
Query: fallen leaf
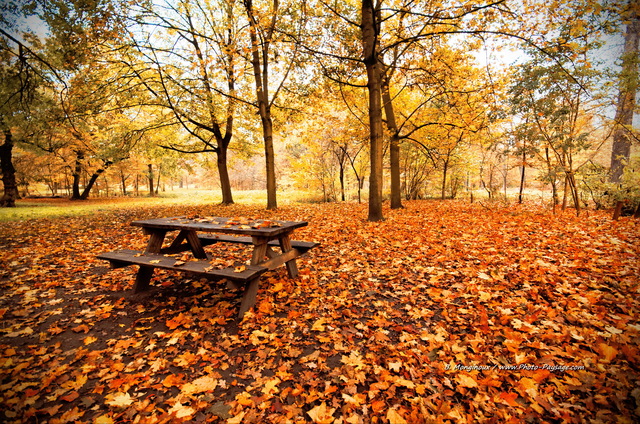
column 321, row 414
column 119, row 400
column 394, row 417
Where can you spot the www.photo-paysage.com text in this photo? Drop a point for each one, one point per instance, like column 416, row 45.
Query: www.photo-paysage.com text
column 527, row 367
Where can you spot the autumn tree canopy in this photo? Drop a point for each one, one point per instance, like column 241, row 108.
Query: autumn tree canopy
column 430, row 83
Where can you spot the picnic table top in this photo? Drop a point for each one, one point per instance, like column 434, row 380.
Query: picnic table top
column 213, row 224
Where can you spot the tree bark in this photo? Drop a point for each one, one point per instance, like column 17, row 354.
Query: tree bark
column 261, row 77
column 443, row 189
column 8, row 171
column 77, row 174
column 522, row 173
column 123, row 180
column 223, row 173
column 621, row 149
column 150, row 176
column 370, row 43
column 92, row 181
column 394, row 146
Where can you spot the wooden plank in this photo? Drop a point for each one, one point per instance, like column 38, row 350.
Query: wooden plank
column 207, row 239
column 177, row 243
column 155, row 241
column 249, row 297
column 259, row 251
column 143, row 279
column 148, row 260
column 280, row 260
column 219, row 225
column 196, row 247
column 292, row 266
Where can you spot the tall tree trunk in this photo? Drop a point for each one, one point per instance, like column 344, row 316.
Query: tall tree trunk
column 223, row 173
column 574, row 191
column 564, row 192
column 8, row 171
column 341, row 176
column 621, row 148
column 77, row 174
column 93, row 179
column 522, row 172
column 394, row 146
column 123, row 180
column 150, row 177
column 443, row 189
column 370, row 43
column 261, row 77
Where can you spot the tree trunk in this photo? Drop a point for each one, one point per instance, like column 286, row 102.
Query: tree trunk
column 223, row 173
column 261, row 77
column 92, row 181
column 369, row 47
column 8, row 171
column 157, row 188
column 150, row 176
column 564, row 192
column 622, row 136
column 341, row 176
column 520, row 194
column 394, row 146
column 445, row 168
column 77, row 174
column 123, row 180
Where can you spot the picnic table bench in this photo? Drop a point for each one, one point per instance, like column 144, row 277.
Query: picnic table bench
column 197, row 232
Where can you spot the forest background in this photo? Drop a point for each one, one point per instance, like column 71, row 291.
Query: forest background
column 337, row 100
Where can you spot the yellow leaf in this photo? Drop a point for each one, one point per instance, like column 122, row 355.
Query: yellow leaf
column 354, row 359
column 271, row 386
column 119, row 400
column 182, row 411
column 103, row 419
column 237, row 419
column 465, row 380
column 395, row 366
column 322, row 414
column 318, row 325
column 200, row 385
column 394, row 417
column 89, row 340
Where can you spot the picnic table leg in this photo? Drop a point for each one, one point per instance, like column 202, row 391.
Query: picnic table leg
column 292, row 266
column 143, row 278
column 259, row 250
column 196, row 246
column 249, row 296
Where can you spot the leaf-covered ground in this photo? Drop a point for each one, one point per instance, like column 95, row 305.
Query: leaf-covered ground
column 444, row 312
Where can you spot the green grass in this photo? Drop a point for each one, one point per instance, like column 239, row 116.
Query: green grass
column 51, row 208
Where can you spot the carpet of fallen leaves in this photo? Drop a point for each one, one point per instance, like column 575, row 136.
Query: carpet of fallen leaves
column 445, row 312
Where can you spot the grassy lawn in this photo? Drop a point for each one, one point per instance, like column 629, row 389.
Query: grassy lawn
column 63, row 207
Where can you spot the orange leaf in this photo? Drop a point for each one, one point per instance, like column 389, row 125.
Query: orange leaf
column 510, row 398
column 81, row 329
column 173, row 380
column 466, row 380
column 607, row 351
column 71, row 396
column 394, row 417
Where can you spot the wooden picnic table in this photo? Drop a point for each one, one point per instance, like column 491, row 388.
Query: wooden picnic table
column 197, row 232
